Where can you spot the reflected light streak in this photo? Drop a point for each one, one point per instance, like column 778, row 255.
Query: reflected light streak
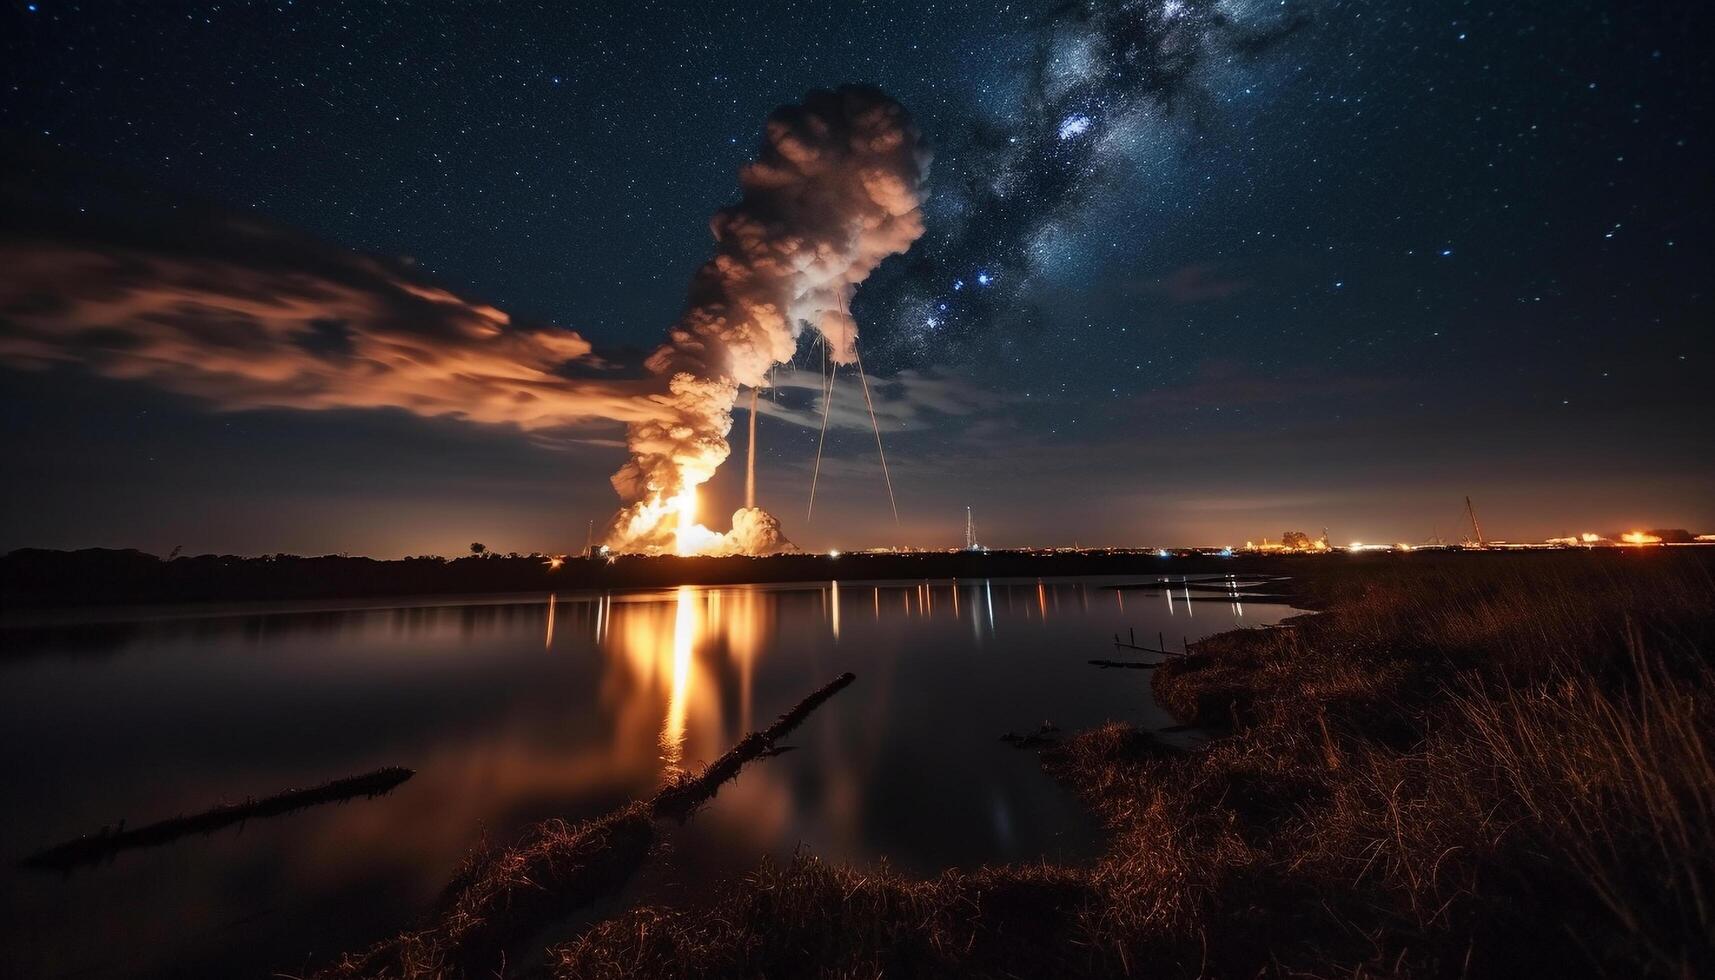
column 988, row 596
column 743, row 618
column 673, row 729
column 548, row 643
column 835, row 599
column 1041, row 599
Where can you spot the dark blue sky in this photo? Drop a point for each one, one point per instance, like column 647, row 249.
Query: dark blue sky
column 1252, row 265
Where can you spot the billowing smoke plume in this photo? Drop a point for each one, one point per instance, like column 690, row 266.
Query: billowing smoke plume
column 835, row 190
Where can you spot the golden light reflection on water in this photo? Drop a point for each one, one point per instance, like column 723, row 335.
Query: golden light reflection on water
column 669, row 658
column 684, row 640
column 835, row 589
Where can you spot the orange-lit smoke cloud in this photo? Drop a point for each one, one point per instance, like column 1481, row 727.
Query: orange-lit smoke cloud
column 836, row 189
column 272, row 320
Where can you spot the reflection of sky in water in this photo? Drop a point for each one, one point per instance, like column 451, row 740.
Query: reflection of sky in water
column 517, row 709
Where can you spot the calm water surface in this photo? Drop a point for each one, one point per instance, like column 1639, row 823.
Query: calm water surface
column 517, row 708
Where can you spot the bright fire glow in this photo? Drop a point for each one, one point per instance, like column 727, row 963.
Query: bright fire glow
column 1640, row 537
column 686, row 505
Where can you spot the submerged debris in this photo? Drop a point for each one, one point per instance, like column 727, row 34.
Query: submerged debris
column 102, row 845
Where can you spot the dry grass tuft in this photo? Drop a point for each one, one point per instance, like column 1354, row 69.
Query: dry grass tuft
column 505, row 896
column 812, row 919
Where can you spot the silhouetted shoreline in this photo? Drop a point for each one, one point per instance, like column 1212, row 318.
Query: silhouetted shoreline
column 32, row 578
column 36, row 578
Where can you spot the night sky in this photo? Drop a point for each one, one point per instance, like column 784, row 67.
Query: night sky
column 1194, row 272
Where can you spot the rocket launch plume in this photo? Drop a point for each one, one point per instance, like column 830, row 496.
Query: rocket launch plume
column 836, row 189
column 229, row 309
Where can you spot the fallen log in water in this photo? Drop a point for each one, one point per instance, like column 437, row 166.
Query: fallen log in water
column 1134, row 664
column 499, row 900
column 100, row 846
column 681, row 798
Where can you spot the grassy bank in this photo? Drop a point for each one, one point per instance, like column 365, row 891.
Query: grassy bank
column 1465, row 766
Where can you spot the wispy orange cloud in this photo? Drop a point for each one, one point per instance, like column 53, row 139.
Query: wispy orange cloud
column 246, row 316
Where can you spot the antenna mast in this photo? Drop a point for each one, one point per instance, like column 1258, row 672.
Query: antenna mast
column 750, row 463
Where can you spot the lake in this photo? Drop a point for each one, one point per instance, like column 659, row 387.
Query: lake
column 517, row 708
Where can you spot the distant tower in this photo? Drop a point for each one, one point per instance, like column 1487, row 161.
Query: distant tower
column 750, row 464
column 970, row 531
column 1476, row 528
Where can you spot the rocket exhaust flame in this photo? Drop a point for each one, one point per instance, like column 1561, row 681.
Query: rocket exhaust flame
column 836, row 189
